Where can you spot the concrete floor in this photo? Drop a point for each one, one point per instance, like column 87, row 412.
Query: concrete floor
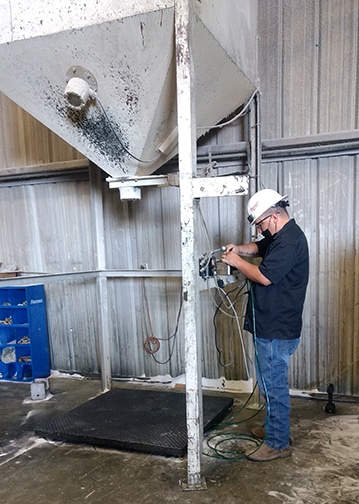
column 324, row 467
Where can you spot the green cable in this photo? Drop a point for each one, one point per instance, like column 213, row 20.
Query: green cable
column 230, row 454
column 233, row 436
column 218, row 438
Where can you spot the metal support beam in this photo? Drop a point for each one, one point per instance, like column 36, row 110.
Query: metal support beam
column 99, row 249
column 230, row 185
column 148, row 180
column 187, row 168
column 254, row 163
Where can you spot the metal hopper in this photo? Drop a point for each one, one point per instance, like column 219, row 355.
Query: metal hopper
column 115, row 64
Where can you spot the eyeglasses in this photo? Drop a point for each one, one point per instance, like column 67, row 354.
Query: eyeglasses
column 259, row 224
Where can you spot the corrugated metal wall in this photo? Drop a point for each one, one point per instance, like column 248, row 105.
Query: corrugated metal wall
column 308, row 65
column 324, row 201
column 49, row 231
column 308, row 74
column 309, row 84
column 147, row 232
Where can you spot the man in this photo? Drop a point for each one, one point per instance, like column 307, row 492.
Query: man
column 274, row 310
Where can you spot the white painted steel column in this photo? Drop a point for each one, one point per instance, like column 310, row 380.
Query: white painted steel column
column 254, row 162
column 100, row 257
column 187, row 166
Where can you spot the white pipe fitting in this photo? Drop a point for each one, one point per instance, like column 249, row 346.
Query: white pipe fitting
column 77, row 93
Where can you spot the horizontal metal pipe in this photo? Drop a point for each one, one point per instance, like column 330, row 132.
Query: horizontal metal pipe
column 342, row 143
column 134, row 273
column 323, row 145
column 311, row 146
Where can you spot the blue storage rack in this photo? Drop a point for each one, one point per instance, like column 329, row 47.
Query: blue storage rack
column 24, row 346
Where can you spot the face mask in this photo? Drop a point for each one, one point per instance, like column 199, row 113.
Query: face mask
column 266, row 233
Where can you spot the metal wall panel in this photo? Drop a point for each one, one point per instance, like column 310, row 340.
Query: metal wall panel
column 48, row 232
column 147, row 232
column 324, row 202
column 308, row 54
column 46, row 227
column 54, row 237
column 308, row 65
column 72, row 312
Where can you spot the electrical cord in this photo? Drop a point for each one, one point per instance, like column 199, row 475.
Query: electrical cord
column 238, row 442
column 152, row 344
column 225, row 296
column 237, row 116
column 215, row 442
column 148, row 161
column 219, row 350
column 217, row 306
column 266, row 395
column 205, row 229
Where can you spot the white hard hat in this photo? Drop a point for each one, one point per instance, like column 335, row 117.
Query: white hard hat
column 262, row 201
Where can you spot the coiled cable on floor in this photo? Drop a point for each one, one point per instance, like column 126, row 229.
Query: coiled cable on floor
column 229, row 444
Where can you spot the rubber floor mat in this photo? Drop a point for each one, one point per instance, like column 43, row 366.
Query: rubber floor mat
column 136, row 420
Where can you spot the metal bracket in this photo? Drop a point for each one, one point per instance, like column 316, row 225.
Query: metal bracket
column 230, row 185
column 82, row 73
column 202, row 485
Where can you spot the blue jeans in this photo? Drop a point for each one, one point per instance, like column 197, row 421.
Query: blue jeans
column 272, row 362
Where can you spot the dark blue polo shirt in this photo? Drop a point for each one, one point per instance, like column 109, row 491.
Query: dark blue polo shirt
column 278, row 307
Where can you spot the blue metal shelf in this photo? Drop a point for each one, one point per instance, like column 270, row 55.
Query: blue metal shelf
column 24, row 347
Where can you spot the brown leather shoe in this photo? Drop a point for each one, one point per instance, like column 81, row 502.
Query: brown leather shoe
column 265, row 453
column 260, row 433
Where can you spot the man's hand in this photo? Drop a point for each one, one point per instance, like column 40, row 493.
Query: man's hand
column 251, row 271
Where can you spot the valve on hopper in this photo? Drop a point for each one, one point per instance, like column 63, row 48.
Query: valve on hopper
column 77, row 93
column 80, row 88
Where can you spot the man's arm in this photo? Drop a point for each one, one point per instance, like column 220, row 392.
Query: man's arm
column 246, row 250
column 251, row 271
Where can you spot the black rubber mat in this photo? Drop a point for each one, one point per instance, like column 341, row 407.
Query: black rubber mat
column 137, row 420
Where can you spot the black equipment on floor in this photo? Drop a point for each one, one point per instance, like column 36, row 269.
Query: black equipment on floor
column 132, row 419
